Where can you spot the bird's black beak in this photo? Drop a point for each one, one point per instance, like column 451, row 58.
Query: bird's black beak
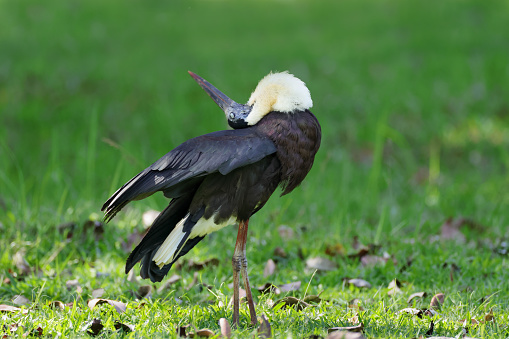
column 235, row 113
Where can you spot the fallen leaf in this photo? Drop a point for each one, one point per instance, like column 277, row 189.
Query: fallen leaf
column 372, row 260
column 279, row 252
column 70, row 284
column 57, row 304
column 97, row 227
column 226, row 330
column 292, row 301
column 321, row 264
column 345, row 335
column 181, row 330
column 489, row 317
column 394, row 287
column 270, row 268
column 205, row 332
column 412, row 311
column 68, row 227
column 354, row 319
column 120, row 307
column 94, row 327
column 437, row 301
column 97, row 293
column 360, row 283
column 335, row 250
column 450, row 229
column 20, row 300
column 355, row 304
column 198, row 266
column 124, row 327
column 285, row 232
column 264, row 330
column 290, row 287
column 416, row 295
column 21, row 263
column 9, row 308
column 356, row 328
column 148, row 217
column 268, row 288
column 312, row 299
column 144, row 291
column 170, row 281
column 6, row 281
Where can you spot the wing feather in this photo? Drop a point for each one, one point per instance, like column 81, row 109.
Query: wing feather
column 221, row 151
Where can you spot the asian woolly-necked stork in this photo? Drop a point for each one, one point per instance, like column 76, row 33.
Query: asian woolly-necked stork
column 224, row 177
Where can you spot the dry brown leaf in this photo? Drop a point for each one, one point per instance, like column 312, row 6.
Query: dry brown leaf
column 354, row 319
column 124, row 327
column 6, row 281
column 450, row 229
column 57, row 304
column 198, row 266
column 489, row 317
column 394, row 287
column 97, row 228
column 290, row 287
column 360, row 283
column 264, row 330
column 279, row 252
column 412, row 311
column 285, row 232
column 204, row 332
column 97, row 293
column 356, row 328
column 268, row 288
column 355, row 304
column 120, row 307
column 20, row 300
column 170, row 281
column 372, row 260
column 416, row 295
column 21, row 263
column 270, row 268
column 182, row 330
column 312, row 299
column 9, row 308
column 345, row 335
column 321, row 264
column 335, row 250
column 144, row 291
column 226, row 330
column 437, row 301
column 94, row 327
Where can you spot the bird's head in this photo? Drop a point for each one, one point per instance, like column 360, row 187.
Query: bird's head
column 278, row 92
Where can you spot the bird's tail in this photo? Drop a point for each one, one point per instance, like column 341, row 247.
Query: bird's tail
column 166, row 241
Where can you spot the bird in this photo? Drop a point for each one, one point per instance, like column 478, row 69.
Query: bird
column 224, row 177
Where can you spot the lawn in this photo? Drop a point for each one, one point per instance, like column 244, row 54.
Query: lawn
column 411, row 182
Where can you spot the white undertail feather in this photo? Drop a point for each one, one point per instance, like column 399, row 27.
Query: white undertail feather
column 281, row 92
column 167, row 252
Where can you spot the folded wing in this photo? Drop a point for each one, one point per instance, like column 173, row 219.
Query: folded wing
column 186, row 165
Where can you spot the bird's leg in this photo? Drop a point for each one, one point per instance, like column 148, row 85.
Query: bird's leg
column 239, row 262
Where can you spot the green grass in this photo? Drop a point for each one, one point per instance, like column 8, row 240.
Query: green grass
column 412, row 98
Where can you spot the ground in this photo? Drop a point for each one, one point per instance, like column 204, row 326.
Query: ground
column 411, row 181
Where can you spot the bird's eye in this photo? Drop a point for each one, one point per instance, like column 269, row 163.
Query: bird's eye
column 232, row 116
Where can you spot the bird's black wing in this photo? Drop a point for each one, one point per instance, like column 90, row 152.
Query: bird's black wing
column 182, row 168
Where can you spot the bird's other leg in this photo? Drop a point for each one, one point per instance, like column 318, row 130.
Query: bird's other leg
column 243, row 270
column 239, row 263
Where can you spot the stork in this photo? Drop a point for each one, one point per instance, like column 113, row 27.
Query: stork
column 225, row 177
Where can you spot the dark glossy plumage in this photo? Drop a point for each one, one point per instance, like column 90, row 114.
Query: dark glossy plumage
column 220, row 175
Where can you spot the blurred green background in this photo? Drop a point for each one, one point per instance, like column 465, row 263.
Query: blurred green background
column 412, row 97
